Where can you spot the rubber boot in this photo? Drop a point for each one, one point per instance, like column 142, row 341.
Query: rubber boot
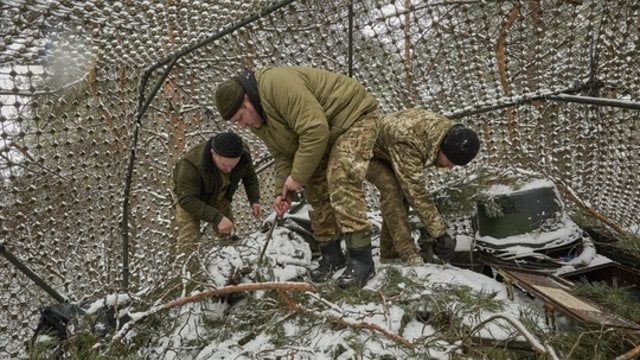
column 360, row 268
column 332, row 260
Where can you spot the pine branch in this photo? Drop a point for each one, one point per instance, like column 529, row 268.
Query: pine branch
column 374, row 327
column 579, row 339
column 362, row 325
column 535, row 344
column 292, row 304
column 629, row 354
column 280, row 286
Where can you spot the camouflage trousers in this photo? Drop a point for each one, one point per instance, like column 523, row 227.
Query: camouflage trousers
column 395, row 236
column 189, row 235
column 335, row 191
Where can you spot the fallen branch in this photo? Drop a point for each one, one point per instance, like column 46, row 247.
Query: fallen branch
column 629, row 354
column 374, row 327
column 285, row 296
column 577, row 342
column 280, row 286
column 535, row 344
column 363, row 325
column 571, row 196
column 267, row 241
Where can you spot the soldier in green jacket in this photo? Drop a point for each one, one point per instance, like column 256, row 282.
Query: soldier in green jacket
column 320, row 127
column 409, row 141
column 205, row 179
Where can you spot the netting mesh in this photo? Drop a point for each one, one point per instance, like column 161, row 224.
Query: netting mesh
column 71, row 96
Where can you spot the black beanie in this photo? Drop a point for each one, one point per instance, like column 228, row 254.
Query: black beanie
column 460, row 145
column 227, row 145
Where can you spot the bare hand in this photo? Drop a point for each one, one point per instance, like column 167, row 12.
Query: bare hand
column 281, row 205
column 290, row 186
column 226, row 226
column 256, row 210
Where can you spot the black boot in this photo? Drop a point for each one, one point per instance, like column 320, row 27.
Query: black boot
column 360, row 268
column 332, row 260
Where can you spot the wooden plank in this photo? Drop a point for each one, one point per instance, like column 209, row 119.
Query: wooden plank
column 555, row 293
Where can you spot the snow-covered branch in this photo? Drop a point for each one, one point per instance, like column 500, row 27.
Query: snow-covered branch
column 281, row 286
column 533, row 341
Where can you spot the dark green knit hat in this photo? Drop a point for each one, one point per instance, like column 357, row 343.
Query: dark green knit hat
column 229, row 97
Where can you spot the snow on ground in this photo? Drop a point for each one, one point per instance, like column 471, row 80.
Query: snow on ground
column 391, row 318
column 288, row 258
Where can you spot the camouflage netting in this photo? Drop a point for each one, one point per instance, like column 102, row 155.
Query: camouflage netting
column 553, row 87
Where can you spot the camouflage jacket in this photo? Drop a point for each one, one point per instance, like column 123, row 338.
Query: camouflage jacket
column 409, row 141
column 306, row 109
column 197, row 182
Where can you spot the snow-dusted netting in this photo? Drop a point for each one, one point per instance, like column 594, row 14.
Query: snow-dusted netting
column 71, row 95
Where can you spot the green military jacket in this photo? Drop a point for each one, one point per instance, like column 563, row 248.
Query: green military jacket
column 197, row 182
column 409, row 140
column 306, row 109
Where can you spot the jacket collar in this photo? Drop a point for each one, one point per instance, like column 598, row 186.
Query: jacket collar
column 248, row 81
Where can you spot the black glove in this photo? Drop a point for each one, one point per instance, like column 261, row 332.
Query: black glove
column 444, row 247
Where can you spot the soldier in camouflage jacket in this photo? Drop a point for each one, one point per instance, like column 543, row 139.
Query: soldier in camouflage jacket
column 320, row 127
column 409, row 141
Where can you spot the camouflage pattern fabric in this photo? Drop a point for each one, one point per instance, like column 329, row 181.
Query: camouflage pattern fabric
column 323, row 222
column 409, row 141
column 387, row 249
column 395, row 213
column 335, row 191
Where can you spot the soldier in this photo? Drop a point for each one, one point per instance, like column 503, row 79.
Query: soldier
column 205, row 179
column 320, row 127
column 409, row 141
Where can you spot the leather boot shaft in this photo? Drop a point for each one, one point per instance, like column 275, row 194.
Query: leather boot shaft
column 360, row 268
column 332, row 260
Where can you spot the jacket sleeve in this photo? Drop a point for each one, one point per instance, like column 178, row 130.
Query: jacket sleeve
column 409, row 170
column 283, row 169
column 188, row 190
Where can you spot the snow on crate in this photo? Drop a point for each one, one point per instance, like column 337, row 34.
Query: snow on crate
column 525, row 222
